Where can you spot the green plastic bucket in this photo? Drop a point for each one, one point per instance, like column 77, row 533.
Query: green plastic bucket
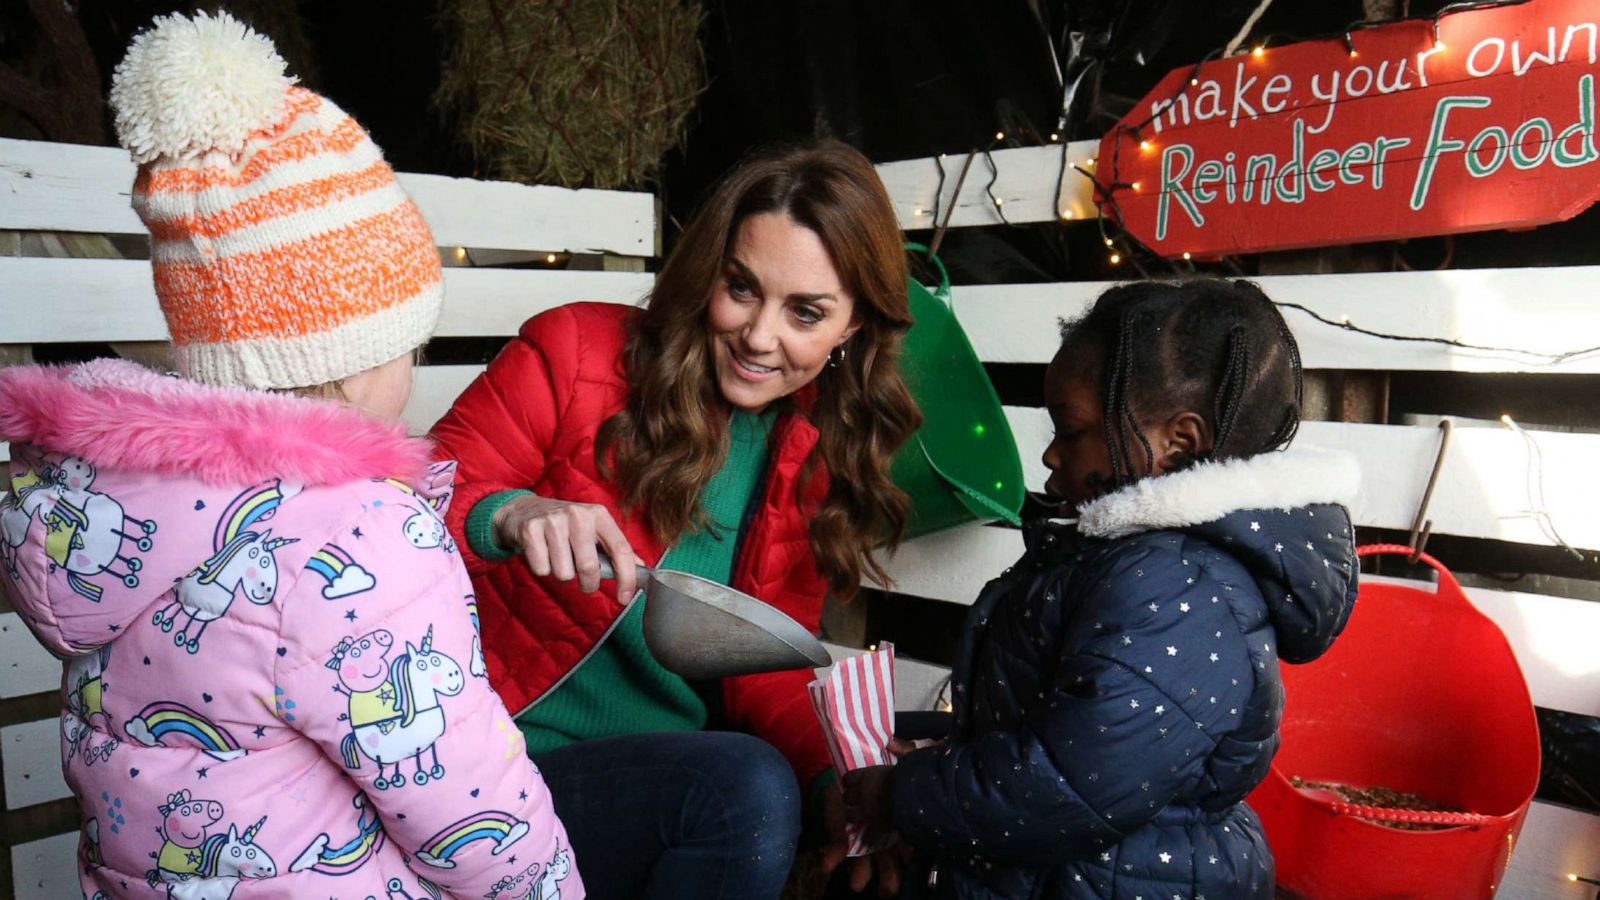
column 962, row 464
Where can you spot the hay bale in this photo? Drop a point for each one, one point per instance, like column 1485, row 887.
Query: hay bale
column 580, row 93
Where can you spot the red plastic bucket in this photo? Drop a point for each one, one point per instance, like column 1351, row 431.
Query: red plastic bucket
column 1421, row 694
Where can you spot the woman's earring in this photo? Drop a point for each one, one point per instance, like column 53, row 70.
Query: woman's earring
column 834, row 361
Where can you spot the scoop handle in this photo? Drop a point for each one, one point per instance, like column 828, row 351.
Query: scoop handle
column 608, row 572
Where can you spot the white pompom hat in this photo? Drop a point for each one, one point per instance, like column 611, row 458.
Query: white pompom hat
column 285, row 253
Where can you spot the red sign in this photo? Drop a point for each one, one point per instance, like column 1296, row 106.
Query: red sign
column 1487, row 123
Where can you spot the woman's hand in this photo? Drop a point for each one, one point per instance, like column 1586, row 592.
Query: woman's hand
column 558, row 539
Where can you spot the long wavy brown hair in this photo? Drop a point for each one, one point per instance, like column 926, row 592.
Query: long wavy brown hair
column 671, row 437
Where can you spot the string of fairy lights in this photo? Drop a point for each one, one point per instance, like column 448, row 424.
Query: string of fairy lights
column 1124, row 245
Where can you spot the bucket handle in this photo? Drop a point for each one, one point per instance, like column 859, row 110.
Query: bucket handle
column 1445, row 577
column 1410, row 816
column 1325, row 796
column 943, row 291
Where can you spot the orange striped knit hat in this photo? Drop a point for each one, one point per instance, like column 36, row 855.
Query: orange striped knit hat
column 285, row 253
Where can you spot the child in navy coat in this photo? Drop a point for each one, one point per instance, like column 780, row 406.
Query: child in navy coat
column 1117, row 691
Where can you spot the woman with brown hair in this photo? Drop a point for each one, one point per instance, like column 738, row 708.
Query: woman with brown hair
column 740, row 426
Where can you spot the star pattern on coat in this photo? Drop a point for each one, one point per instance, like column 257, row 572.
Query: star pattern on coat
column 1152, row 608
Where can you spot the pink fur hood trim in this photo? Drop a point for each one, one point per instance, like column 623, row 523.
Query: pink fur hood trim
column 117, row 414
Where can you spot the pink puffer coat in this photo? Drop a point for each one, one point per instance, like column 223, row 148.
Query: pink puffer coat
column 275, row 683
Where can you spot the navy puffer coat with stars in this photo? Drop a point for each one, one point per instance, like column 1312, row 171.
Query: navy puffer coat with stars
column 1117, row 691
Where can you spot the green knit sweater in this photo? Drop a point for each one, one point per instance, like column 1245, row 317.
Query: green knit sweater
column 620, row 688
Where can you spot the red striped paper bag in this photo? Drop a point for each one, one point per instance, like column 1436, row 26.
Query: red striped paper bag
column 855, row 704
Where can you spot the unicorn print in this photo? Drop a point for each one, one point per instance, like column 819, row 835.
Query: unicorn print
column 29, row 492
column 84, row 530
column 529, row 884
column 520, row 886
column 243, row 563
column 225, row 861
column 548, row 887
column 342, row 859
column 399, row 718
column 476, row 666
column 84, row 712
column 397, row 890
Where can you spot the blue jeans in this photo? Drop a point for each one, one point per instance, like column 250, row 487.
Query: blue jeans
column 701, row 814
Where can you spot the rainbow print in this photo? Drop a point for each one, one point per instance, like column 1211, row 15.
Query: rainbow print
column 491, row 825
column 255, row 504
column 353, row 854
column 167, row 724
column 344, row 575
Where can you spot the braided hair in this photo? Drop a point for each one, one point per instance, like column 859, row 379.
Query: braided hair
column 1207, row 345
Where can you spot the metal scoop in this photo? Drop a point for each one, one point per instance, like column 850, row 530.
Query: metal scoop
column 697, row 628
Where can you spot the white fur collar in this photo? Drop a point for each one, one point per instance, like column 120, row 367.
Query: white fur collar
column 1209, row 491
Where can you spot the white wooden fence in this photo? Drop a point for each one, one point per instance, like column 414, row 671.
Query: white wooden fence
column 1484, row 488
column 68, row 188
column 1484, row 491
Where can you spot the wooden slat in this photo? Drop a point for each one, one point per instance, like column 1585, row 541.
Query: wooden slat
column 433, row 392
column 1555, row 841
column 494, row 302
column 1553, row 637
column 66, row 187
column 954, row 564
column 1540, row 309
column 25, row 666
column 1483, row 489
column 47, row 867
column 31, row 754
column 50, row 300
column 507, row 216
column 69, row 187
column 1026, row 186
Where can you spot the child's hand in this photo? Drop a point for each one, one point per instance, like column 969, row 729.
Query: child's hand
column 866, row 798
column 886, row 864
column 899, row 747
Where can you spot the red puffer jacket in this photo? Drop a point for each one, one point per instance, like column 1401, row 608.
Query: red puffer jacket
column 529, row 422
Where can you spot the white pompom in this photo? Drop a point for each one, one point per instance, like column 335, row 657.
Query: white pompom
column 192, row 85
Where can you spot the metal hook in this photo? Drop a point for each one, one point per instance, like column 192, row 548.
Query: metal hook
column 938, row 234
column 1422, row 527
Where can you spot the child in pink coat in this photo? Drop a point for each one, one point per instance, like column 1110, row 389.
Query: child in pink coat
column 274, row 681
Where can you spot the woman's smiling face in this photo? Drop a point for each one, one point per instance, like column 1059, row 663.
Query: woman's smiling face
column 776, row 313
